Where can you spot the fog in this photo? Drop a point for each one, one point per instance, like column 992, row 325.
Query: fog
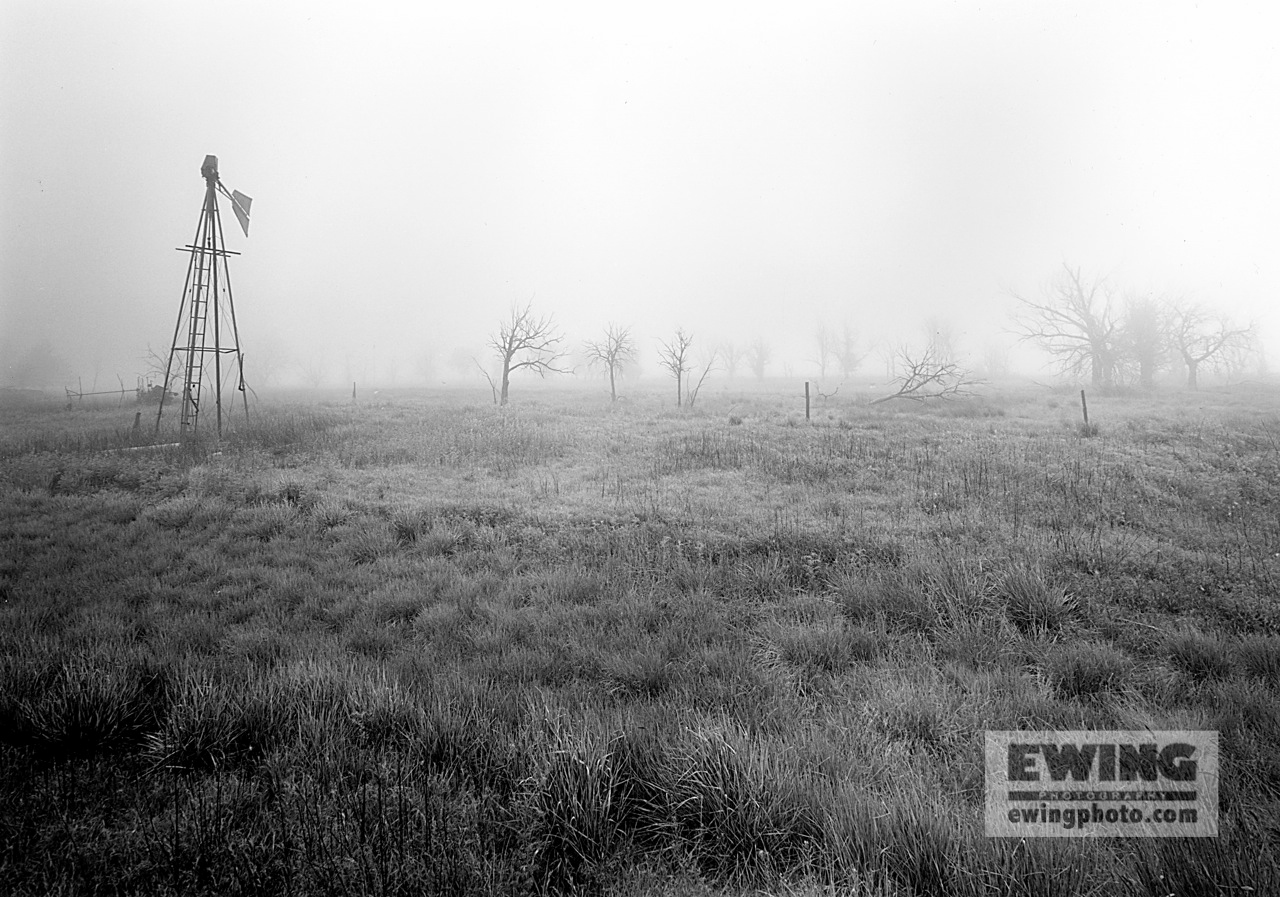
column 735, row 170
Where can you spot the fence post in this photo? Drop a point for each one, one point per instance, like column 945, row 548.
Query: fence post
column 1084, row 407
column 806, row 400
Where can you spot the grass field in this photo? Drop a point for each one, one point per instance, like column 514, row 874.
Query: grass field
column 427, row 646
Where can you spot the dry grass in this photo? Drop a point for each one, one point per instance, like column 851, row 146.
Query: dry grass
column 432, row 647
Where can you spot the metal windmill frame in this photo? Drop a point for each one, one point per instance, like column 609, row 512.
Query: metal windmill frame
column 207, row 299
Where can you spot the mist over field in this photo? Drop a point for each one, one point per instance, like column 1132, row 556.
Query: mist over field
column 672, row 445
column 740, row 173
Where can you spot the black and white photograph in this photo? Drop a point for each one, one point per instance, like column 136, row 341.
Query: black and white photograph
column 692, row 449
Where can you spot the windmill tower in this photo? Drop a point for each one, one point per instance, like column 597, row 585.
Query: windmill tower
column 206, row 329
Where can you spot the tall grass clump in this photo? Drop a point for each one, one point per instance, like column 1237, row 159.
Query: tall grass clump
column 1199, row 655
column 894, row 596
column 1259, row 656
column 213, row 724
column 1032, row 603
column 1087, row 670
column 79, row 706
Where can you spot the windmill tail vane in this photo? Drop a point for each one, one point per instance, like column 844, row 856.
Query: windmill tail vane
column 240, row 205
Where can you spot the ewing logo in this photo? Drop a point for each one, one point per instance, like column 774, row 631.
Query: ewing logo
column 1134, row 784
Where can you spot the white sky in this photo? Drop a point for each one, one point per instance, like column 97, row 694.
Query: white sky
column 735, row 169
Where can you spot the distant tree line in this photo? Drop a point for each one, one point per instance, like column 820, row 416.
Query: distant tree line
column 1084, row 323
column 1089, row 329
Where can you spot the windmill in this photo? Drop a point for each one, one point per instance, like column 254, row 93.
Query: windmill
column 207, row 311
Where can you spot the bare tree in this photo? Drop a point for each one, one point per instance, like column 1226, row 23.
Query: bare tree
column 758, row 356
column 732, row 356
column 616, row 350
column 525, row 340
column 314, row 369
column 708, row 366
column 995, row 359
column 1143, row 339
column 1074, row 322
column 674, row 358
column 848, row 357
column 460, row 361
column 940, row 336
column 488, row 378
column 925, row 375
column 825, row 346
column 1199, row 336
column 424, row 365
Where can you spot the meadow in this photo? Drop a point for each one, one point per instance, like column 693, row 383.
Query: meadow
column 420, row 644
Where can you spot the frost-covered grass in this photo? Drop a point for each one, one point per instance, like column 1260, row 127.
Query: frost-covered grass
column 431, row 646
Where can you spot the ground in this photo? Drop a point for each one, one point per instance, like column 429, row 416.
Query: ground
column 423, row 644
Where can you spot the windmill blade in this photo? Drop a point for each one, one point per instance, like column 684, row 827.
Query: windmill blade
column 240, row 205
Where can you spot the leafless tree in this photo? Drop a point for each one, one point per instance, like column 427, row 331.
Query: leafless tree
column 846, row 351
column 674, row 357
column 995, row 359
column 758, row 357
column 925, row 375
column 1200, row 337
column 314, row 369
column 528, row 341
column 425, row 364
column 614, row 351
column 488, row 378
column 1144, row 338
column 940, row 337
column 460, row 361
column 709, row 365
column 1076, row 323
column 825, row 346
column 732, row 356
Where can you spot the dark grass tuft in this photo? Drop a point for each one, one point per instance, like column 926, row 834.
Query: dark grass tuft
column 1087, row 669
column 1199, row 655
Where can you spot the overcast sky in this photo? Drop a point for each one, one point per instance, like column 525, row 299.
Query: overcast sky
column 735, row 169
